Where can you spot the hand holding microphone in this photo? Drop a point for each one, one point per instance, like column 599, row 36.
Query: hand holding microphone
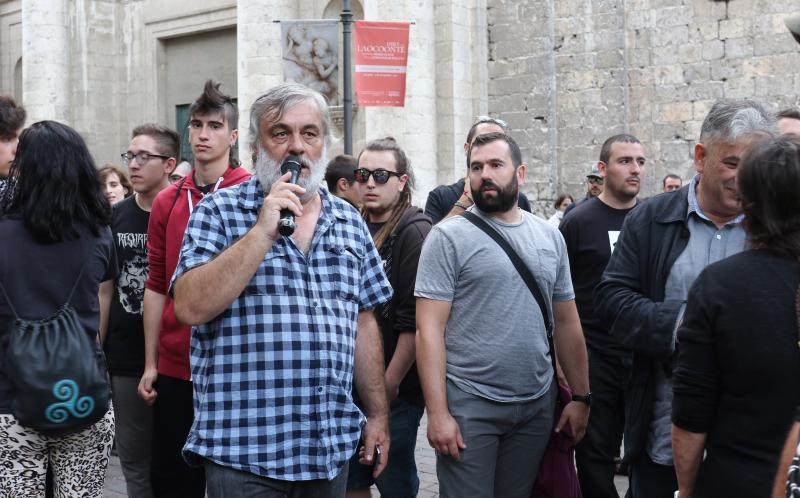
column 286, row 224
column 282, row 202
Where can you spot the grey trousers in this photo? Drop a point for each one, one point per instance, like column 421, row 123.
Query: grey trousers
column 134, row 435
column 225, row 482
column 505, row 443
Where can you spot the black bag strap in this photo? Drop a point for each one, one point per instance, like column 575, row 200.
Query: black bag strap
column 523, row 271
column 69, row 297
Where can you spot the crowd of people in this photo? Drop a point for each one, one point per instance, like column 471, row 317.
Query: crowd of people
column 247, row 360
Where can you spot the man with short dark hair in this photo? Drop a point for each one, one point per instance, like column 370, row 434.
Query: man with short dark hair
column 789, row 121
column 671, row 183
column 664, row 244
column 12, row 118
column 274, row 350
column 341, row 180
column 150, row 158
column 590, row 232
column 449, row 200
column 490, row 390
column 166, row 382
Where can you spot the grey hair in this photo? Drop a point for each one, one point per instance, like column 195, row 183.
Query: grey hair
column 731, row 119
column 274, row 103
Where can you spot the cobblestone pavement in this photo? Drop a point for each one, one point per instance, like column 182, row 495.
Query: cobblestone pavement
column 426, row 463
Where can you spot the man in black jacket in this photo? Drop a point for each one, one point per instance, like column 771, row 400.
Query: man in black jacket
column 398, row 229
column 664, row 244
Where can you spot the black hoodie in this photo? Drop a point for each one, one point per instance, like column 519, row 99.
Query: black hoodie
column 400, row 255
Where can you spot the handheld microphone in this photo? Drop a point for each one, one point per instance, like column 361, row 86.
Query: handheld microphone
column 286, row 223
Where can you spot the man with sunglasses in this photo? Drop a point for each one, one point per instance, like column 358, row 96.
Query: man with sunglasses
column 449, row 200
column 166, row 381
column 398, row 229
column 150, row 158
column 594, row 187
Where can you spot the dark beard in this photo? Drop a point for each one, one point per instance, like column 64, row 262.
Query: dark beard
column 504, row 199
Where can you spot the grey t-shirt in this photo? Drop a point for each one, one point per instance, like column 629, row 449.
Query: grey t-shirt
column 495, row 340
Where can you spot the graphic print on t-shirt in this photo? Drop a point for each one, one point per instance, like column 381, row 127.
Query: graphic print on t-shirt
column 133, row 272
column 613, row 235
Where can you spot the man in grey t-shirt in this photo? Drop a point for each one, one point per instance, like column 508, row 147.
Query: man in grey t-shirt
column 482, row 350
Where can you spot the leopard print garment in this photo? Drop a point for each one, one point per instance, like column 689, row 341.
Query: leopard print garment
column 79, row 460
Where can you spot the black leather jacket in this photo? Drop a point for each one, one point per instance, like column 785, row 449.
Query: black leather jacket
column 630, row 297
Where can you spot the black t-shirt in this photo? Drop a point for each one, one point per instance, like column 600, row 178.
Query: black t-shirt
column 590, row 231
column 124, row 344
column 38, row 278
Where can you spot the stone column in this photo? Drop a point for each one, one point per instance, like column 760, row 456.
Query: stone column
column 259, row 57
column 46, row 55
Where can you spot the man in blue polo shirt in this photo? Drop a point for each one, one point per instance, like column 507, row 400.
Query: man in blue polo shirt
column 274, row 347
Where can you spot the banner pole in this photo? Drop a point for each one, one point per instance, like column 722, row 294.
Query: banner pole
column 347, row 20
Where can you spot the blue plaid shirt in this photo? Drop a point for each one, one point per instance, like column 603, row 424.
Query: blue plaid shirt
column 273, row 374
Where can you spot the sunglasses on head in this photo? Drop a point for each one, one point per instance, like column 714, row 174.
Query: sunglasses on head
column 595, row 181
column 489, row 119
column 381, row 176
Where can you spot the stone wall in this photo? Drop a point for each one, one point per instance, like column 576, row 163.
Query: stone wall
column 566, row 74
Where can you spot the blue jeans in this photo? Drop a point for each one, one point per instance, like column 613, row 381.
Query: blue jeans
column 399, row 479
column 225, row 482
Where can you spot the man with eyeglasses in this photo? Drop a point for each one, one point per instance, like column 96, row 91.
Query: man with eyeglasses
column 166, row 381
column 449, row 200
column 150, row 158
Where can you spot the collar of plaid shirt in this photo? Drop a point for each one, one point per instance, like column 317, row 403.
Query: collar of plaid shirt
column 273, row 373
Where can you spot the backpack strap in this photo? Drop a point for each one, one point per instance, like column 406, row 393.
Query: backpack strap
column 178, row 193
column 523, row 271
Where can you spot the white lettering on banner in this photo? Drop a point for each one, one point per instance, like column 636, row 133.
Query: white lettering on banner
column 365, row 68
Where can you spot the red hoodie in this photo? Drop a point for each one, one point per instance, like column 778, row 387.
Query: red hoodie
column 168, row 219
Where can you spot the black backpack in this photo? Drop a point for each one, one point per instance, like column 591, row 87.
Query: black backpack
column 58, row 377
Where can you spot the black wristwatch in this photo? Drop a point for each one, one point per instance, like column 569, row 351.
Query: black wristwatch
column 586, row 398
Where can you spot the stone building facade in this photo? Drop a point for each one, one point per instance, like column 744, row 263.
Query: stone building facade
column 565, row 74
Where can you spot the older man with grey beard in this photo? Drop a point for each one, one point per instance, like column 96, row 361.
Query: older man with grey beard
column 274, row 345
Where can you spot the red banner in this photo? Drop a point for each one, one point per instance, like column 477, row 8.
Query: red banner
column 381, row 59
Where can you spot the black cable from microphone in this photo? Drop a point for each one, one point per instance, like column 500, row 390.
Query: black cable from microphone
column 286, row 224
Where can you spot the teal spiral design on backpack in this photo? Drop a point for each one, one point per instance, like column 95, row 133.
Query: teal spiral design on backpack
column 66, row 390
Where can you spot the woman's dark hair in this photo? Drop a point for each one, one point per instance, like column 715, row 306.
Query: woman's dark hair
column 561, row 199
column 404, row 168
column 109, row 168
column 768, row 178
column 54, row 185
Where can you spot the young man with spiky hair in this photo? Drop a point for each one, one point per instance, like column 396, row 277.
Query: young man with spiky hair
column 166, row 382
column 151, row 157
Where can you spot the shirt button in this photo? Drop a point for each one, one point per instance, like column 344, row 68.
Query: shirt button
column 319, row 389
column 719, row 236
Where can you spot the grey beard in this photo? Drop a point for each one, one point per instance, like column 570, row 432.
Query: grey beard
column 268, row 170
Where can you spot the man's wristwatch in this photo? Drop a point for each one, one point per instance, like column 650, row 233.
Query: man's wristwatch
column 585, row 398
column 461, row 205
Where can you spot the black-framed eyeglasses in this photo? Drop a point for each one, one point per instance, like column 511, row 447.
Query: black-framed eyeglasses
column 141, row 157
column 488, row 119
column 381, row 175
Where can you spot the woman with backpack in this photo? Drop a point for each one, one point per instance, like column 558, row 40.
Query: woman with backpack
column 55, row 250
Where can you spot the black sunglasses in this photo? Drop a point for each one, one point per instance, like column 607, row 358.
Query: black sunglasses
column 381, row 175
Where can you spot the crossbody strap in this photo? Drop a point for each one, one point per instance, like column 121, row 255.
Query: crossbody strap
column 523, row 271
